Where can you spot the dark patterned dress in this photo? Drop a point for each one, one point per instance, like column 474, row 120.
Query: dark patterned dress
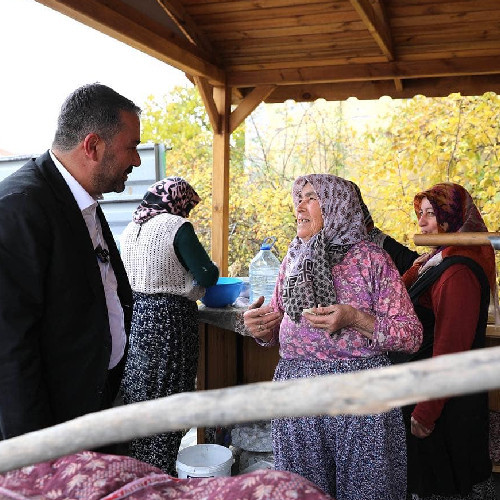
column 351, row 457
column 162, row 360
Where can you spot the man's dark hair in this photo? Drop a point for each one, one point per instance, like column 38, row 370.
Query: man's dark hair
column 93, row 108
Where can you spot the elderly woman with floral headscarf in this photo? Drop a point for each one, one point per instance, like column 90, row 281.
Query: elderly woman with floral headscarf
column 339, row 305
column 448, row 441
column 168, row 269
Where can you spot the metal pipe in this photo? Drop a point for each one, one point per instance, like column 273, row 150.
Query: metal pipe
column 495, row 242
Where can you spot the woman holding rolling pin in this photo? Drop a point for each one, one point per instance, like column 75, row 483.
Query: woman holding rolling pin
column 447, row 439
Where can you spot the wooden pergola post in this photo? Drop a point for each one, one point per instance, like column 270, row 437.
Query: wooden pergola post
column 217, row 102
column 220, row 180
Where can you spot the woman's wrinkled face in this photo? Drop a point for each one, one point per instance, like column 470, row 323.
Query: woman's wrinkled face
column 427, row 218
column 308, row 213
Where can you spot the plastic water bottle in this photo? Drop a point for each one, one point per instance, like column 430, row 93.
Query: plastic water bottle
column 263, row 271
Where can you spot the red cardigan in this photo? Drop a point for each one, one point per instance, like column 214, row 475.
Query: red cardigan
column 455, row 299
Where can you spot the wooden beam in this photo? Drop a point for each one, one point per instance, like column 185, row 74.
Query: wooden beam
column 430, row 87
column 248, row 104
column 377, row 26
column 118, row 20
column 398, row 83
column 363, row 72
column 361, row 392
column 186, row 24
column 220, row 182
column 207, row 94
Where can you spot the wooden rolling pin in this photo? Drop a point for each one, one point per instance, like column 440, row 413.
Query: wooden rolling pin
column 458, row 239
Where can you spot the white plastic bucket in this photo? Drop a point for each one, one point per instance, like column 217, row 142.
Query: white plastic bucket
column 204, row 460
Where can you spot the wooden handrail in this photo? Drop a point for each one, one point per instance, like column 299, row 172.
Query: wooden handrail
column 361, row 392
column 457, row 239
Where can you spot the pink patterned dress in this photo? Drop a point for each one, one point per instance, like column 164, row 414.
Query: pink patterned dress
column 351, row 457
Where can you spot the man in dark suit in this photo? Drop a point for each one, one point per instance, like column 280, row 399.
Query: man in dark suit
column 65, row 301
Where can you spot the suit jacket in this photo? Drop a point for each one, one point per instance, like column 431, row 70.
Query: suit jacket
column 55, row 342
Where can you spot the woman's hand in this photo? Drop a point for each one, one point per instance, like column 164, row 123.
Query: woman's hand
column 418, row 430
column 261, row 320
column 333, row 318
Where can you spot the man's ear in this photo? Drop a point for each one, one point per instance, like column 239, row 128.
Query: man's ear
column 91, row 146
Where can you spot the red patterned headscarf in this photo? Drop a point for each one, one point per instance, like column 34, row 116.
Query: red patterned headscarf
column 455, row 213
column 172, row 195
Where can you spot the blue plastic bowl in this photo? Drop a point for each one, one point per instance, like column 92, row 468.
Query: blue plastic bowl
column 223, row 293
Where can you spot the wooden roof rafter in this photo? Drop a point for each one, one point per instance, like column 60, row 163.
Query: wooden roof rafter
column 376, row 21
column 184, row 22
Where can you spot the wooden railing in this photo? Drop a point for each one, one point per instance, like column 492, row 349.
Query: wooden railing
column 362, row 392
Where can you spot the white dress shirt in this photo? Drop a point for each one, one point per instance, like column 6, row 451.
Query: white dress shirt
column 88, row 206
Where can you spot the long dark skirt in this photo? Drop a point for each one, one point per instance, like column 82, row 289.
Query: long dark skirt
column 351, row 457
column 453, row 462
column 162, row 360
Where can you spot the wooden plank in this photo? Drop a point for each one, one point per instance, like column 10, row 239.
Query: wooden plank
column 131, row 27
column 331, row 40
column 399, row 9
column 350, row 29
column 220, row 182
column 376, row 71
column 430, row 87
column 258, row 363
column 340, row 54
column 457, row 239
column 398, row 83
column 220, row 358
column 203, row 8
column 206, row 92
column 291, row 59
column 442, row 51
column 248, row 104
column 414, row 35
column 454, row 19
column 209, row 16
column 249, row 25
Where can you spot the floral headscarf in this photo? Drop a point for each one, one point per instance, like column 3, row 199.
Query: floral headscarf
column 172, row 195
column 455, row 213
column 309, row 269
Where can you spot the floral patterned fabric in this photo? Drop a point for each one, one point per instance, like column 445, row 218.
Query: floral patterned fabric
column 366, row 279
column 351, row 457
column 308, row 282
column 94, row 476
column 172, row 195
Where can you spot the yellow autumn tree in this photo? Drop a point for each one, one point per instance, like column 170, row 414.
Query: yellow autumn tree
column 417, row 143
column 424, row 141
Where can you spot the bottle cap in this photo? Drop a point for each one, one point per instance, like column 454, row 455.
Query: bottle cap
column 268, row 243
